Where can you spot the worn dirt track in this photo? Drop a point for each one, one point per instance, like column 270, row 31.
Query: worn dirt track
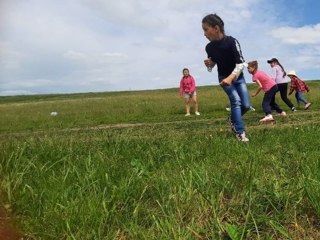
column 198, row 120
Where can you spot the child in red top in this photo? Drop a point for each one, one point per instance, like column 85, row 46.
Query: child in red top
column 270, row 88
column 299, row 86
column 188, row 90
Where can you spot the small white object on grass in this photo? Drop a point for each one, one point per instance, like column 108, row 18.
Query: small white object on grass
column 53, row 114
column 252, row 109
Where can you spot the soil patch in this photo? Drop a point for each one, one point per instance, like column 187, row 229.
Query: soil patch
column 7, row 230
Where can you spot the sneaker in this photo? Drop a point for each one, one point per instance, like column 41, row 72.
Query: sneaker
column 188, row 114
column 197, row 113
column 293, row 109
column 283, row 114
column 267, row 118
column 233, row 129
column 307, row 106
column 242, row 137
column 252, row 109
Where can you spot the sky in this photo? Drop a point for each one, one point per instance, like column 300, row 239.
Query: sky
column 75, row 46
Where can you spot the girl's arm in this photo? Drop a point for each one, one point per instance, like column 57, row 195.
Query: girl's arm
column 258, row 89
column 292, row 85
column 274, row 73
column 193, row 85
column 228, row 80
column 234, row 75
column 240, row 65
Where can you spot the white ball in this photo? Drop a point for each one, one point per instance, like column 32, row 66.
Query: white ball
column 53, row 114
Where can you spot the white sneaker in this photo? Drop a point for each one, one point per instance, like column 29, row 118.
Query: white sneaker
column 188, row 114
column 307, row 106
column 197, row 113
column 267, row 118
column 283, row 114
column 242, row 137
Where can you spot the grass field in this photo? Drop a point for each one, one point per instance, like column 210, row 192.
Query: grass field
column 129, row 165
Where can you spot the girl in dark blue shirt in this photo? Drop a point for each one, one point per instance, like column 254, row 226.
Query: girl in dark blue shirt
column 225, row 52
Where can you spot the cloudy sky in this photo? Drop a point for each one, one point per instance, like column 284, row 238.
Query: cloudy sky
column 69, row 46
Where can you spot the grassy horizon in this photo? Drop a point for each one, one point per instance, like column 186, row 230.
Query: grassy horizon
column 171, row 177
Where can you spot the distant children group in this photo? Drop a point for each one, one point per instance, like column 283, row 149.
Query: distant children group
column 225, row 52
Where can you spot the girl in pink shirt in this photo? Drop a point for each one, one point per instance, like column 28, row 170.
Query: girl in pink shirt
column 270, row 88
column 188, row 91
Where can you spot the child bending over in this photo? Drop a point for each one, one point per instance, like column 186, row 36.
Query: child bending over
column 270, row 87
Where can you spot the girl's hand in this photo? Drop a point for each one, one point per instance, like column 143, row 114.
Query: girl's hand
column 225, row 82
column 208, row 62
column 228, row 80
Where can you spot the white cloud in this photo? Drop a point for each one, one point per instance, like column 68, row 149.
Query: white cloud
column 98, row 59
column 105, row 45
column 130, row 13
column 303, row 35
column 10, row 59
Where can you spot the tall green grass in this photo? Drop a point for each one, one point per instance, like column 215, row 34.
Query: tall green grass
column 173, row 178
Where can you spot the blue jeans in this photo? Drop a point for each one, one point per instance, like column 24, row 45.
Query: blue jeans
column 300, row 98
column 239, row 101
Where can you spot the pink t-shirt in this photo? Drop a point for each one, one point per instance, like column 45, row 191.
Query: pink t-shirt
column 266, row 81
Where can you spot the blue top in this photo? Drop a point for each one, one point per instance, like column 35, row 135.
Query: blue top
column 226, row 53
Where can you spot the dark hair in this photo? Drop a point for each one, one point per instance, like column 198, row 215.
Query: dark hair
column 185, row 69
column 284, row 72
column 214, row 20
column 253, row 64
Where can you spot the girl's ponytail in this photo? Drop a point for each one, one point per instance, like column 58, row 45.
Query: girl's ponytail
column 284, row 72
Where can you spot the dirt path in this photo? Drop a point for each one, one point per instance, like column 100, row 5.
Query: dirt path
column 7, row 231
column 198, row 120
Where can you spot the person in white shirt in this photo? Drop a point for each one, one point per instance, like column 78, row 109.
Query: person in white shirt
column 279, row 76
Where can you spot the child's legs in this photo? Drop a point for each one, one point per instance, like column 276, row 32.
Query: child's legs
column 268, row 98
column 273, row 103
column 300, row 98
column 275, row 106
column 187, row 101
column 195, row 102
column 242, row 90
column 235, row 104
column 283, row 89
column 266, row 103
column 296, row 96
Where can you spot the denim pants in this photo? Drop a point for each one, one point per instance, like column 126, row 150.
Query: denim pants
column 300, row 98
column 239, row 101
